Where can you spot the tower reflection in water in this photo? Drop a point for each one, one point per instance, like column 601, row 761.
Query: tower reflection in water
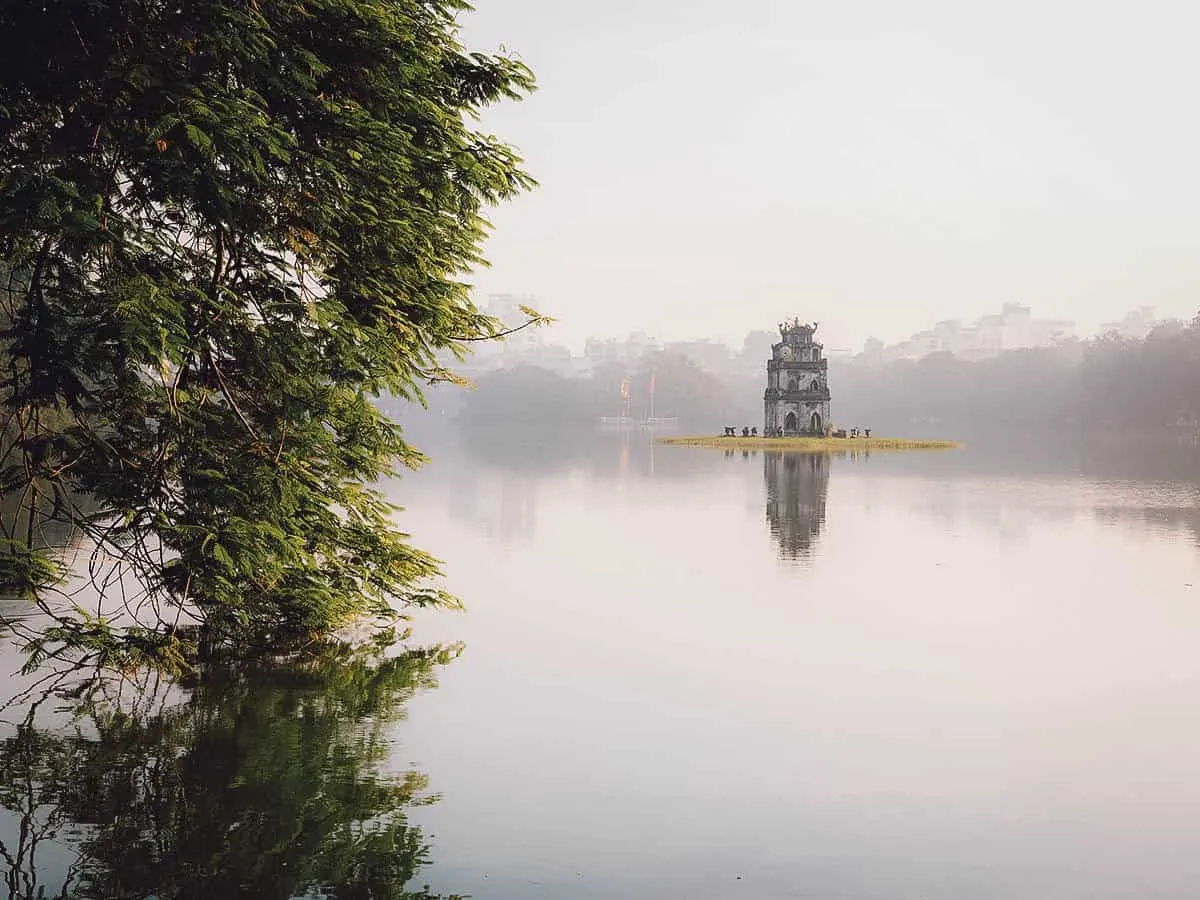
column 797, row 484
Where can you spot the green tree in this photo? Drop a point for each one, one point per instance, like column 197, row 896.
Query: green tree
column 684, row 389
column 267, row 781
column 236, row 223
column 528, row 396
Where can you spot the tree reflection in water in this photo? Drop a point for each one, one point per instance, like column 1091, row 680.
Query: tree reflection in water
column 267, row 782
column 797, row 484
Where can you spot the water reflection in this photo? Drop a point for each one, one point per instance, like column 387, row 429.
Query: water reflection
column 545, row 454
column 502, row 504
column 264, row 782
column 797, row 484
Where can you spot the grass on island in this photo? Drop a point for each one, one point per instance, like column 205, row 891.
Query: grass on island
column 809, row 444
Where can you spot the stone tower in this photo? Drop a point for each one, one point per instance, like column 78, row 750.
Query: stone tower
column 797, row 397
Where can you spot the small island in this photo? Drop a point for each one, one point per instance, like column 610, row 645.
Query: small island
column 809, row 443
column 797, row 403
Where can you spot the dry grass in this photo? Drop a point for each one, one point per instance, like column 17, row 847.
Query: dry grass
column 809, row 444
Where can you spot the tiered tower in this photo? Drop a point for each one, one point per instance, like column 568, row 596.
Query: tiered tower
column 796, row 401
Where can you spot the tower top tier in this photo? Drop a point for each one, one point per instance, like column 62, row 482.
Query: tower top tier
column 797, row 332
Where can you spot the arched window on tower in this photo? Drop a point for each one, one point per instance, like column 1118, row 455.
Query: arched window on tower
column 816, row 385
column 793, row 384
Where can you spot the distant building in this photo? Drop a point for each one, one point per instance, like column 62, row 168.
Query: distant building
column 1134, row 326
column 1048, row 332
column 637, row 346
column 872, row 351
column 711, row 356
column 1016, row 322
column 796, row 400
column 989, row 335
column 1014, row 328
column 948, row 335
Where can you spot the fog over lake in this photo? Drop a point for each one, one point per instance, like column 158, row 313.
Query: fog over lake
column 704, row 673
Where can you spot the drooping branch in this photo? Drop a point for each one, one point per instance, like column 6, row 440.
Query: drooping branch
column 500, row 335
column 534, row 319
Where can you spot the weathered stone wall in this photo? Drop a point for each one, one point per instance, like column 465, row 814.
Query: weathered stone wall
column 797, row 383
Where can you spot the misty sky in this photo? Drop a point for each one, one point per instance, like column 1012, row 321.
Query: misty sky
column 709, row 168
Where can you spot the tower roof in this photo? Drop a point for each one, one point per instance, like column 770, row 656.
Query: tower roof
column 803, row 330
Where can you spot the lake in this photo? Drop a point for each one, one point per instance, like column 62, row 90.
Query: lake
column 696, row 673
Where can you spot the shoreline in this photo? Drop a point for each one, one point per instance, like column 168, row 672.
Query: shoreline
column 809, row 444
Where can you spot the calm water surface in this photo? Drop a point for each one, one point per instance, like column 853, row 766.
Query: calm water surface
column 694, row 673
column 707, row 674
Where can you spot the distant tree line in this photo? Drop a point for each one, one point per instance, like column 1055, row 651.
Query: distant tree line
column 1109, row 384
column 530, row 396
column 1016, row 389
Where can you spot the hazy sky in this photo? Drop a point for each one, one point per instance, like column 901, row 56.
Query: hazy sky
column 709, row 168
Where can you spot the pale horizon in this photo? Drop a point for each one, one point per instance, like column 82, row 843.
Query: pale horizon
column 560, row 333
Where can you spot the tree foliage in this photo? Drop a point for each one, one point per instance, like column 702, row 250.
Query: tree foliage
column 230, row 225
column 1135, row 385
